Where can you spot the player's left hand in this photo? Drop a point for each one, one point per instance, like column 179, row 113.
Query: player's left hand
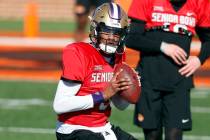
column 192, row 64
column 116, row 85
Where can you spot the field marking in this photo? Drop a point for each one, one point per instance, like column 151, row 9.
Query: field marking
column 25, row 103
column 38, row 42
column 200, row 93
column 53, row 42
column 199, row 96
column 27, row 130
column 52, row 131
column 185, row 137
column 198, row 109
column 194, row 109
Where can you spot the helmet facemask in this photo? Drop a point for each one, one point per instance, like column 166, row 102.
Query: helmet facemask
column 110, row 39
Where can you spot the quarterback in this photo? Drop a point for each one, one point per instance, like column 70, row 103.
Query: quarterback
column 88, row 84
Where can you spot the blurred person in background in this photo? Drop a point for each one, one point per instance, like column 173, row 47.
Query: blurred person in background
column 87, row 84
column 82, row 10
column 162, row 31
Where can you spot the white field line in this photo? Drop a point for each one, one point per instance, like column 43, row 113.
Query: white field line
column 27, row 130
column 52, row 131
column 51, row 42
column 186, row 137
column 25, row 103
column 197, row 109
column 201, row 94
column 22, row 103
column 194, row 109
column 36, row 42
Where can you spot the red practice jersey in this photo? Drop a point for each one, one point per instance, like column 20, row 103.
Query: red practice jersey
column 160, row 13
column 84, row 63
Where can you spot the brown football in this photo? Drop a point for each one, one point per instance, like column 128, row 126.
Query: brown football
column 133, row 93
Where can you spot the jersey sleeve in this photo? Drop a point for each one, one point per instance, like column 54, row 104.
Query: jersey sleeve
column 204, row 13
column 73, row 64
column 139, row 9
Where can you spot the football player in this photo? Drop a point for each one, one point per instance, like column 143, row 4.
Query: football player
column 162, row 30
column 87, row 84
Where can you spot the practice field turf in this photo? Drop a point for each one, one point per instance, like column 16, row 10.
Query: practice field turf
column 45, row 26
column 26, row 112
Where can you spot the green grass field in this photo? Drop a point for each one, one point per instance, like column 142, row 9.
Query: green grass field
column 26, row 112
column 45, row 26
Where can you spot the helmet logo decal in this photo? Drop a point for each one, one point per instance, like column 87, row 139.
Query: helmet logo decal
column 115, row 11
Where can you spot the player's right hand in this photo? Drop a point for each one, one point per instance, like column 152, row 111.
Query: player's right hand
column 116, row 85
column 175, row 52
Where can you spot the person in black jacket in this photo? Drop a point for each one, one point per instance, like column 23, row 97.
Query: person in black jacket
column 162, row 31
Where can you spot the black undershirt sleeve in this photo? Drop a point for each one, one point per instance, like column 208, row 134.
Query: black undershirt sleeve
column 136, row 39
column 70, row 81
column 204, row 36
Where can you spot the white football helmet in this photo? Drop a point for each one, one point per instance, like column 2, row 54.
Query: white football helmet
column 109, row 18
